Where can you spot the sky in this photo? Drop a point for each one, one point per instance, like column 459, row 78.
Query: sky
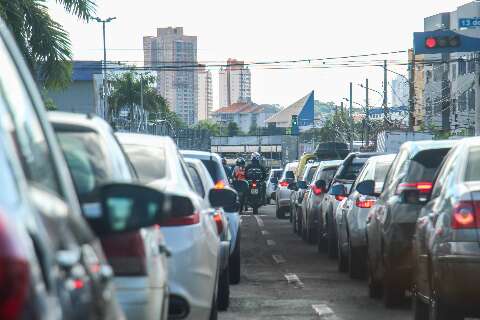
column 267, row 30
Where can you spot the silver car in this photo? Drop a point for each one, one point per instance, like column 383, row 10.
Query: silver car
column 351, row 217
column 272, row 183
column 282, row 195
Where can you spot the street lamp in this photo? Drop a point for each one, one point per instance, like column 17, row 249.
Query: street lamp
column 103, row 22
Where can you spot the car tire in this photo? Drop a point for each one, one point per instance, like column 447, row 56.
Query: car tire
column 234, row 262
column 392, row 293
column 374, row 287
column 214, row 309
column 342, row 262
column 280, row 213
column 255, row 210
column 420, row 309
column 356, row 269
column 223, row 296
column 332, row 244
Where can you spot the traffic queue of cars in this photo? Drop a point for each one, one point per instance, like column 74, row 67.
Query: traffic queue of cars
column 406, row 222
column 98, row 225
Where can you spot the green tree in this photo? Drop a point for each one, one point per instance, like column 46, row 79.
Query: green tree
column 233, row 129
column 43, row 41
column 209, row 125
column 253, row 129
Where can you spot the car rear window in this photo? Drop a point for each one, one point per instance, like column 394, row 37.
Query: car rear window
column 310, row 174
column 473, row 167
column 351, row 170
column 424, row 164
column 216, row 170
column 381, row 170
column 149, row 161
column 327, row 174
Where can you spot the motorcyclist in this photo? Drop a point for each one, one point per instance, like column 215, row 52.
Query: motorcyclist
column 239, row 169
column 227, row 168
column 239, row 181
column 255, row 164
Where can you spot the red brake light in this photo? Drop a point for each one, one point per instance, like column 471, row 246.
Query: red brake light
column 126, row 253
column 78, row 284
column 284, row 183
column 316, row 191
column 466, row 215
column 365, row 203
column 217, row 217
column 422, row 187
column 254, row 185
column 340, row 197
column 14, row 273
column 182, row 221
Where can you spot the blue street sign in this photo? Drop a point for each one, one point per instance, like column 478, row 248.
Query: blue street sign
column 469, row 22
column 447, row 41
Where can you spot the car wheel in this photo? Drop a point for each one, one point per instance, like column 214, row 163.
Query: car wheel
column 280, row 213
column 356, row 269
column 392, row 293
column 374, row 287
column 255, row 210
column 332, row 244
column 223, row 296
column 342, row 264
column 214, row 309
column 234, row 262
column 419, row 309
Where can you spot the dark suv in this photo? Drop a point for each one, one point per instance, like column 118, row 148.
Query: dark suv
column 338, row 190
column 391, row 222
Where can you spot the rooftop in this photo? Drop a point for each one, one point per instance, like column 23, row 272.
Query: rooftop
column 243, row 107
column 285, row 115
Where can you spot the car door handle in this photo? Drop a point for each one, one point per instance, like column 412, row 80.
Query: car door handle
column 164, row 250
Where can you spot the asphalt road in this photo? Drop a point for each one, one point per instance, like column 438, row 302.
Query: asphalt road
column 284, row 278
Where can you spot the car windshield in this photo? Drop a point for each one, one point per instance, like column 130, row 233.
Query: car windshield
column 327, row 174
column 381, row 170
column 149, row 161
column 424, row 165
column 216, row 170
column 86, row 159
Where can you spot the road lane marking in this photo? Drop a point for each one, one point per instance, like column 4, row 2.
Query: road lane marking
column 278, row 258
column 259, row 221
column 265, row 232
column 292, row 278
column 324, row 312
column 270, row 242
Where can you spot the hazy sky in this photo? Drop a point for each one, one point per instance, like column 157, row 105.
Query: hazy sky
column 266, row 30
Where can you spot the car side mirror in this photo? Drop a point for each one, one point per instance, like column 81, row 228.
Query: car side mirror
column 302, row 185
column 224, row 197
column 338, row 190
column 293, row 186
column 125, row 207
column 366, row 187
column 321, row 184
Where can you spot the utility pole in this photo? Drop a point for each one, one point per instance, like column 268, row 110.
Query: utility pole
column 411, row 85
column 104, row 93
column 351, row 116
column 367, row 111
column 385, row 94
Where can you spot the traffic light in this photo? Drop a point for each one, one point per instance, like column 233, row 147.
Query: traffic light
column 294, row 124
column 449, row 41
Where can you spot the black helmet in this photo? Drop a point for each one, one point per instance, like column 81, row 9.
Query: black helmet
column 256, row 156
column 240, row 162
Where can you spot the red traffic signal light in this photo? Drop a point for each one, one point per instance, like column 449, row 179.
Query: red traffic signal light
column 442, row 42
column 430, row 42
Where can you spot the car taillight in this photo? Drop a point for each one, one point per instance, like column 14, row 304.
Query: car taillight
column 340, row 197
column 182, row 221
column 14, row 273
column 466, row 215
column 126, row 253
column 217, row 217
column 284, row 183
column 365, row 203
column 422, row 187
column 316, row 190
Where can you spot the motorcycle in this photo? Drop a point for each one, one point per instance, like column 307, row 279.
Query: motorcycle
column 256, row 194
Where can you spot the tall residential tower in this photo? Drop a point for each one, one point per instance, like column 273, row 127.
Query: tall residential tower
column 235, row 83
column 205, row 99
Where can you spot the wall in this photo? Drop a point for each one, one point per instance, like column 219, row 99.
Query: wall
column 78, row 97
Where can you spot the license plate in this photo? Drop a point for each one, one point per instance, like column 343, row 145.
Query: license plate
column 254, row 191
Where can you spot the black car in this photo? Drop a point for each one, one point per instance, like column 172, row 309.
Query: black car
column 391, row 222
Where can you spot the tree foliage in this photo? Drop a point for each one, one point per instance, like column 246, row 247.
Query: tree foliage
column 233, row 129
column 43, row 41
column 210, row 126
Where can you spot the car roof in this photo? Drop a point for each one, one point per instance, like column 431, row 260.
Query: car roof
column 330, row 163
column 415, row 147
column 202, row 155
column 77, row 120
column 383, row 158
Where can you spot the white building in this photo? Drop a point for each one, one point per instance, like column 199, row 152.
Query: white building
column 400, row 91
column 235, row 83
column 172, row 52
column 245, row 115
column 205, row 99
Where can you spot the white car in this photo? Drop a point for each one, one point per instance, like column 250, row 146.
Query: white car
column 203, row 183
column 191, row 235
column 272, row 183
column 283, row 193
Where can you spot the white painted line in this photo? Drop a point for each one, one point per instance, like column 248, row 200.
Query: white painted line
column 278, row 258
column 265, row 232
column 324, row 312
column 271, row 242
column 292, row 278
column 259, row 221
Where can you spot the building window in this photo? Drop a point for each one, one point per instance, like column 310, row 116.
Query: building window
column 471, row 100
column 462, row 66
column 454, row 71
column 462, row 102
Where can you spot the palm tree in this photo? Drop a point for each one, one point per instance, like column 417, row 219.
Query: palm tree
column 44, row 42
